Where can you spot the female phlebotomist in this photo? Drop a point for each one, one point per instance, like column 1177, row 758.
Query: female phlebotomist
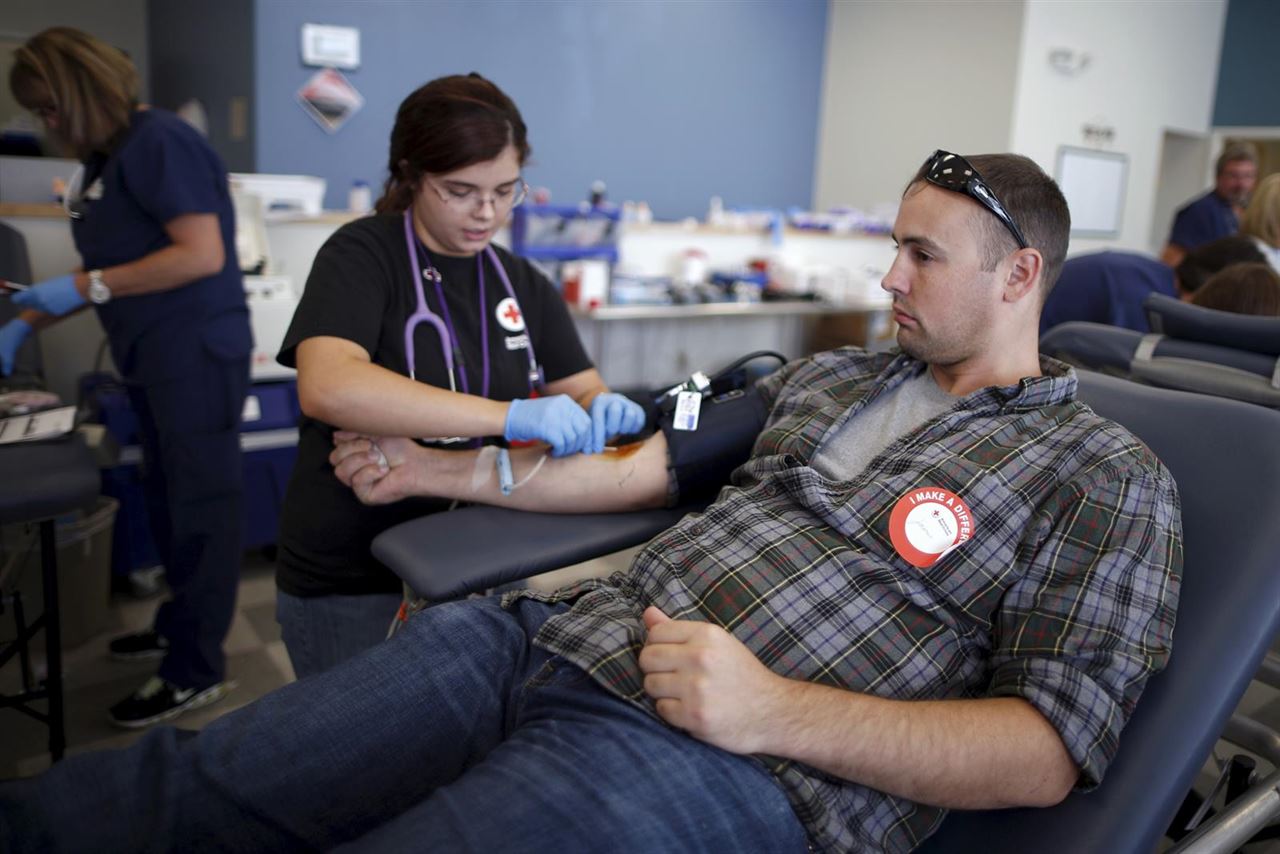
column 152, row 220
column 413, row 324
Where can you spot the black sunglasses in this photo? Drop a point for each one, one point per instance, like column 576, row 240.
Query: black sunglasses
column 952, row 172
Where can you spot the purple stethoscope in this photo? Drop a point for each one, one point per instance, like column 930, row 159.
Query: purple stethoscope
column 444, row 327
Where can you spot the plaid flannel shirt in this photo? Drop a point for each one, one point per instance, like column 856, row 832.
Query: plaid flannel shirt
column 1064, row 595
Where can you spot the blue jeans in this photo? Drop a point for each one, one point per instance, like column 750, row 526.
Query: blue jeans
column 321, row 632
column 456, row 735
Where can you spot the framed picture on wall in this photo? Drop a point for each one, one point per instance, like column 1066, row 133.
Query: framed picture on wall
column 1094, row 183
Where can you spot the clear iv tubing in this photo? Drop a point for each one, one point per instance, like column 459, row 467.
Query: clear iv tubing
column 522, row 481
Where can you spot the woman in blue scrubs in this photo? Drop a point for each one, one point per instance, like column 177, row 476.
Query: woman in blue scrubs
column 152, row 220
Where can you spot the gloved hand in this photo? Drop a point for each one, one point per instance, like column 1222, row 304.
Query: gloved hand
column 55, row 296
column 12, row 334
column 612, row 415
column 559, row 421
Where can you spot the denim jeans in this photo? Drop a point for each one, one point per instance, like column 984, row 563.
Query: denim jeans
column 456, row 735
column 321, row 632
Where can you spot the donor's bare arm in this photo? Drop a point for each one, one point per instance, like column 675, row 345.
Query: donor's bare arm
column 385, row 470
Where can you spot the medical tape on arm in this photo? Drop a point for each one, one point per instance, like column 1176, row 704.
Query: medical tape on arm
column 484, row 464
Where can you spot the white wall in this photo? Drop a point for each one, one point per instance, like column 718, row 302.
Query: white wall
column 903, row 79
column 1153, row 66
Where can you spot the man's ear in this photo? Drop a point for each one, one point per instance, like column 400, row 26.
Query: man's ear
column 1024, row 274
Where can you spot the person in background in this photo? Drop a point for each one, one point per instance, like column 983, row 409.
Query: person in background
column 1110, row 287
column 1261, row 221
column 152, row 220
column 1243, row 289
column 1217, row 213
column 413, row 324
column 1107, row 287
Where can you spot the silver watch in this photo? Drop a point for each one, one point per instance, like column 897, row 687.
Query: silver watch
column 98, row 290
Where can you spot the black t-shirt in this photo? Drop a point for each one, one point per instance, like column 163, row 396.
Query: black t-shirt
column 361, row 289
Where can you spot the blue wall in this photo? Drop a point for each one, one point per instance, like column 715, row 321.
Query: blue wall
column 1250, row 66
column 669, row 101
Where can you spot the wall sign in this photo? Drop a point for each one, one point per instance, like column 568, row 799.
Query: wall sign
column 1094, row 184
column 330, row 99
column 331, row 47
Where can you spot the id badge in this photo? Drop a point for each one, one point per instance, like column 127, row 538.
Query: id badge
column 688, row 405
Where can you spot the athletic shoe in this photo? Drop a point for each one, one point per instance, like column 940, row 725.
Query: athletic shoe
column 139, row 645
column 159, row 700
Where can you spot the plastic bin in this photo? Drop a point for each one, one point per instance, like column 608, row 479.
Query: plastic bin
column 84, row 566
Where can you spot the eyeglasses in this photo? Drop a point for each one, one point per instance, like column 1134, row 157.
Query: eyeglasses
column 471, row 199
column 952, row 172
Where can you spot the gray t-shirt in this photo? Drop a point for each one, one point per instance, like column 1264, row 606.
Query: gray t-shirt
column 845, row 453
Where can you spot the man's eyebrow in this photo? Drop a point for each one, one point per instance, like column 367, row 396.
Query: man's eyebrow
column 920, row 241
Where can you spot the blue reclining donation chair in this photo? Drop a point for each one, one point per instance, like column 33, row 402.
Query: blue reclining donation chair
column 1229, row 612
column 1189, row 348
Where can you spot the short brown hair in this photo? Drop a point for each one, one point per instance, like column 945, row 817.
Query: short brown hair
column 1201, row 263
column 448, row 124
column 1036, row 204
column 1243, row 289
column 92, row 85
column 1234, row 152
column 1262, row 217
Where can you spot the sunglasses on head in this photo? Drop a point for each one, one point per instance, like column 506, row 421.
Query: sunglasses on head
column 952, row 172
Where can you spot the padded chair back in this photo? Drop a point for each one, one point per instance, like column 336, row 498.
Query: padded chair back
column 1226, row 459
column 16, row 267
column 1190, row 348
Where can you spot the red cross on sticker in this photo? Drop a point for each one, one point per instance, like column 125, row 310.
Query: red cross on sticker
column 928, row 522
column 509, row 316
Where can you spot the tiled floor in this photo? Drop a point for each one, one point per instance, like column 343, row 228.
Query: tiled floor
column 93, row 681
column 256, row 662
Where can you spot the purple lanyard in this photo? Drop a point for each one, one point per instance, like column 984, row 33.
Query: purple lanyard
column 445, row 329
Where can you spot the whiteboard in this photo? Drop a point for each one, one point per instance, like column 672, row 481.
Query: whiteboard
column 1094, row 184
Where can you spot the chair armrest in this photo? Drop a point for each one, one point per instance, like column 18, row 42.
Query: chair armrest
column 448, row 555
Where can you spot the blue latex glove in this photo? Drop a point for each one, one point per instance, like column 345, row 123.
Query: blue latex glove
column 12, row 334
column 559, row 421
column 613, row 415
column 55, row 296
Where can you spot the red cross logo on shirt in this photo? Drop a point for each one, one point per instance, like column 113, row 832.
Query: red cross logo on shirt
column 509, row 315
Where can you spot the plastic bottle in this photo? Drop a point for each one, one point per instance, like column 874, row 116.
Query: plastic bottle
column 360, row 199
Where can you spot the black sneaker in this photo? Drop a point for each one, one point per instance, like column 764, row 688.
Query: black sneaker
column 139, row 645
column 159, row 700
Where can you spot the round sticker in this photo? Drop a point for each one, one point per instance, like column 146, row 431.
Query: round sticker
column 509, row 316
column 928, row 522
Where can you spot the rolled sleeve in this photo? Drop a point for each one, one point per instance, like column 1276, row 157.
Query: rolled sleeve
column 1092, row 618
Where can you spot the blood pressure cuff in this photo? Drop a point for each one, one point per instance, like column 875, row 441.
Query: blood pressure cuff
column 701, row 460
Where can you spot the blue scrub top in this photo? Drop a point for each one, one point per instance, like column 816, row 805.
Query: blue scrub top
column 1107, row 287
column 1202, row 221
column 161, row 170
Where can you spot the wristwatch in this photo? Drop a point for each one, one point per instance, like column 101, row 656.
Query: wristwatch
column 98, row 290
